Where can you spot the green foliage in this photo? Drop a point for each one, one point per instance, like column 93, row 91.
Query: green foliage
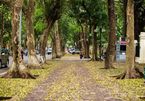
column 39, row 22
column 70, row 29
column 119, row 14
column 7, row 23
column 93, row 13
column 52, row 8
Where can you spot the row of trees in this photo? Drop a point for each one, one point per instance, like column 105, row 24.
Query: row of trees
column 90, row 16
column 81, row 22
column 52, row 10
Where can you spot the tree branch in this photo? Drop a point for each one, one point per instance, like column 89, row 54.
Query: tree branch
column 5, row 2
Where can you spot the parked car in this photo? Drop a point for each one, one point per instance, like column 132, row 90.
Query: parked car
column 4, row 57
column 71, row 50
column 74, row 51
column 77, row 51
column 49, row 51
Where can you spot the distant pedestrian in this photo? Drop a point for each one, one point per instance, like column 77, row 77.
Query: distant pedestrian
column 81, row 55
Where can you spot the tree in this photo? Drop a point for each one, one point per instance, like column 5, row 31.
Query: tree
column 131, row 71
column 17, row 69
column 2, row 28
column 90, row 15
column 52, row 13
column 56, row 41
column 79, row 13
column 110, row 53
column 28, row 9
column 124, row 17
column 69, row 30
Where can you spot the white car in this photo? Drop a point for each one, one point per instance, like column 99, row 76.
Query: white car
column 77, row 51
column 49, row 51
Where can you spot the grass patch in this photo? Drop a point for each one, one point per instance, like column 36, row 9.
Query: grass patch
column 127, row 89
column 21, row 87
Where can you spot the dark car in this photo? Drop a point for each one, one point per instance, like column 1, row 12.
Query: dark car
column 4, row 57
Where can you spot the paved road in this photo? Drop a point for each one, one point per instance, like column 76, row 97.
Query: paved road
column 70, row 81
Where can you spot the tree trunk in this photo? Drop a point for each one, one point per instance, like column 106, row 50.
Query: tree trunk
column 2, row 29
column 33, row 62
column 18, row 69
column 100, row 46
column 57, row 42
column 82, row 43
column 130, row 38
column 86, row 42
column 44, row 39
column 54, row 54
column 124, row 17
column 131, row 71
column 110, row 54
column 94, row 52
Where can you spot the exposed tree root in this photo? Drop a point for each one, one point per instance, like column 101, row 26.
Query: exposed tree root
column 18, row 74
column 135, row 73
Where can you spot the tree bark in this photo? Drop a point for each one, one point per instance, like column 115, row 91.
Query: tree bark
column 124, row 17
column 57, row 42
column 51, row 16
column 44, row 39
column 131, row 71
column 110, row 54
column 2, row 29
column 100, row 46
column 54, row 54
column 130, row 38
column 86, row 42
column 17, row 69
column 95, row 51
column 33, row 62
column 82, row 43
column 82, row 40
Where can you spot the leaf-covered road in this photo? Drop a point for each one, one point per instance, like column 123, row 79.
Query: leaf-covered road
column 70, row 81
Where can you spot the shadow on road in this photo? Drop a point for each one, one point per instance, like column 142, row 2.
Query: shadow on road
column 5, row 98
